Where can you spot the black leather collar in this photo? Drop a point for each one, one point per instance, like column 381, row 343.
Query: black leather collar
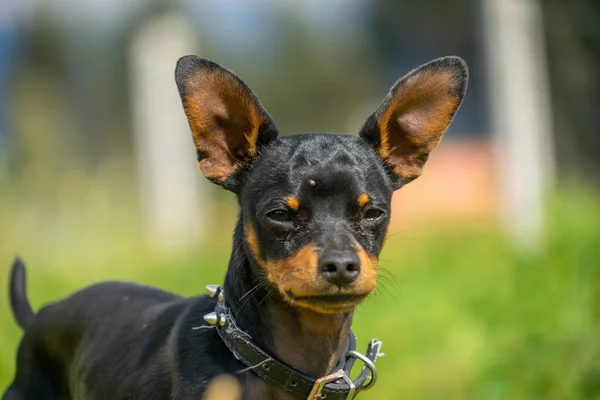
column 335, row 386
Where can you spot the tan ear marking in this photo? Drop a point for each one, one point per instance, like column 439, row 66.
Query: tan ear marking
column 228, row 122
column 424, row 112
column 413, row 117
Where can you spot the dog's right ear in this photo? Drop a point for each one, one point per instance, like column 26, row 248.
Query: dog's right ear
column 228, row 123
column 414, row 115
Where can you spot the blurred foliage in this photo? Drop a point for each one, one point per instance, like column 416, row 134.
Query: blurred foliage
column 462, row 315
column 330, row 79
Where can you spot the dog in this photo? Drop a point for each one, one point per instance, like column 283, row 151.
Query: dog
column 314, row 214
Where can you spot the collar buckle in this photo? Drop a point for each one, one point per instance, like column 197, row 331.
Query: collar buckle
column 320, row 383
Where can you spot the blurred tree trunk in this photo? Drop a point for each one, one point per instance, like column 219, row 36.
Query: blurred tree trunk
column 573, row 41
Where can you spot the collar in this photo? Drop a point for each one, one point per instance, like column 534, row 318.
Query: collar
column 335, row 386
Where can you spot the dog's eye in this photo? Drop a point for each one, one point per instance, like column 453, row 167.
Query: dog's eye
column 372, row 214
column 279, row 215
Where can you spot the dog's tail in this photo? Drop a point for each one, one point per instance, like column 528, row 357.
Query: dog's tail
column 18, row 295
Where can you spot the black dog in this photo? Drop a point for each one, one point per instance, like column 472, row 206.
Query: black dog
column 314, row 214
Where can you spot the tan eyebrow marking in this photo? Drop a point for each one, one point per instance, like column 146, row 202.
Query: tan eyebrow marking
column 292, row 202
column 363, row 200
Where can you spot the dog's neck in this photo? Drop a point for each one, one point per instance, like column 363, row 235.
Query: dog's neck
column 308, row 341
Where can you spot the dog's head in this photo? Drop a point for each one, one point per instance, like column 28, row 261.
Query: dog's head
column 316, row 207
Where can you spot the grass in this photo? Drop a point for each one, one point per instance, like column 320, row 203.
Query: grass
column 462, row 315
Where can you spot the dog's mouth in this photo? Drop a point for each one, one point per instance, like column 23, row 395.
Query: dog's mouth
column 330, row 303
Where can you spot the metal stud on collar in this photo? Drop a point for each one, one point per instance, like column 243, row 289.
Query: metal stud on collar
column 213, row 318
column 213, row 290
column 222, row 320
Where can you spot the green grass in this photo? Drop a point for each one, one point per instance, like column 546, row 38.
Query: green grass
column 462, row 315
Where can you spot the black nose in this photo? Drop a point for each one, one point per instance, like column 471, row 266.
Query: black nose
column 340, row 267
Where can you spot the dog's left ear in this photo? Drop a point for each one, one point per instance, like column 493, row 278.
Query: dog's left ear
column 228, row 123
column 410, row 122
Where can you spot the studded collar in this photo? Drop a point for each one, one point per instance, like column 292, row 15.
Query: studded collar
column 335, row 386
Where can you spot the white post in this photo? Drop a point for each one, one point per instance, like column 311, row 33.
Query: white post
column 171, row 191
column 519, row 94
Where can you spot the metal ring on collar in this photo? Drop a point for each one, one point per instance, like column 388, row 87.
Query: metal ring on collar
column 368, row 364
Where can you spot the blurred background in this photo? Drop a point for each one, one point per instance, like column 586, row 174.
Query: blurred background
column 490, row 281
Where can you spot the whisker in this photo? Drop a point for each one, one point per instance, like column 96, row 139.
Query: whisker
column 248, row 296
column 269, row 293
column 249, row 292
column 382, row 286
column 393, row 234
column 388, row 274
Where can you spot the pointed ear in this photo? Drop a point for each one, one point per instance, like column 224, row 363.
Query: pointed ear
column 415, row 114
column 228, row 123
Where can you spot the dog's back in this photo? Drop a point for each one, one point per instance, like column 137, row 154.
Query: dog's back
column 103, row 333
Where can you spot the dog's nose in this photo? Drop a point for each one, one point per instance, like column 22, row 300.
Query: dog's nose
column 340, row 267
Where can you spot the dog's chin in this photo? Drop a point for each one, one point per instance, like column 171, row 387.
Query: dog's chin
column 327, row 303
